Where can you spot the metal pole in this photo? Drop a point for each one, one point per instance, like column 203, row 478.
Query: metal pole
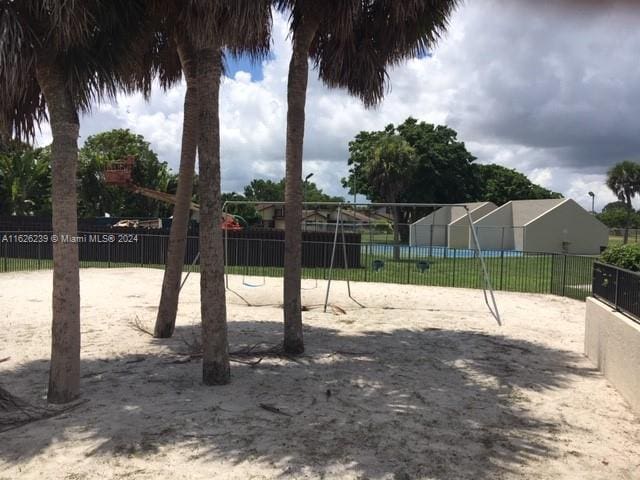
column 333, row 254
column 189, row 271
column 495, row 312
column 346, row 261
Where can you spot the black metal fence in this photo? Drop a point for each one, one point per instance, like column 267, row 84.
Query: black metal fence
column 546, row 273
column 617, row 287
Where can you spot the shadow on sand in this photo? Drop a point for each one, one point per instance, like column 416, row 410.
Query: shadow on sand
column 415, row 403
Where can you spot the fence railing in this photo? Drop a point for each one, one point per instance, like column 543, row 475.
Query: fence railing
column 617, row 287
column 546, row 273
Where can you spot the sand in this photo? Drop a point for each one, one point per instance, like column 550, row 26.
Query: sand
column 419, row 384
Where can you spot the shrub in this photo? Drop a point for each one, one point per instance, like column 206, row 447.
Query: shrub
column 623, row 256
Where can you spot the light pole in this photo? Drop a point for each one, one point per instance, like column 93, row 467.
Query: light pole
column 593, row 202
column 304, row 188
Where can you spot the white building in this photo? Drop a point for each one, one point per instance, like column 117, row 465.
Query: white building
column 448, row 226
column 554, row 225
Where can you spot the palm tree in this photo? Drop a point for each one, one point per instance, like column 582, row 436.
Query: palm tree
column 211, row 28
column 55, row 54
column 352, row 43
column 624, row 181
column 202, row 29
column 386, row 172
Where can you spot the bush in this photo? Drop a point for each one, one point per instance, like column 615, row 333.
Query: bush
column 623, row 256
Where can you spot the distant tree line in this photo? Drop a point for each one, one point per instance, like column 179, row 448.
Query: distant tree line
column 417, row 162
column 25, row 181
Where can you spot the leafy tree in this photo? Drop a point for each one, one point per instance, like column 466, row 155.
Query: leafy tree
column 614, row 206
column 312, row 193
column 442, row 172
column 261, row 190
column 247, row 212
column 624, row 181
column 619, row 218
column 500, row 185
column 95, row 198
column 25, row 180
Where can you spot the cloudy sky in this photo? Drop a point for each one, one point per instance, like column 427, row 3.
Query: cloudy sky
column 553, row 92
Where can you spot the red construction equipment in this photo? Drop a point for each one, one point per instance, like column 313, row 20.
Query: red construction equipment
column 120, row 174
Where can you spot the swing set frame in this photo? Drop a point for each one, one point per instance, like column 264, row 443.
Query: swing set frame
column 487, row 287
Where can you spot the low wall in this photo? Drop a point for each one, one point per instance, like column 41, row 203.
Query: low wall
column 612, row 343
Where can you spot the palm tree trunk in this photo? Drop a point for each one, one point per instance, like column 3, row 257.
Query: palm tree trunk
column 296, row 99
column 64, row 374
column 168, row 308
column 628, row 221
column 215, row 347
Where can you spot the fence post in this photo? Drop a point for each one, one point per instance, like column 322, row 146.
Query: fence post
column 142, row 252
column 615, row 297
column 501, row 265
column 430, row 239
column 38, row 255
column 366, row 262
column 409, row 264
column 564, row 274
column 109, row 255
column 4, row 258
column 453, row 277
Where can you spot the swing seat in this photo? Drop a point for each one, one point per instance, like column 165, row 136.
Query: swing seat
column 378, row 265
column 422, row 266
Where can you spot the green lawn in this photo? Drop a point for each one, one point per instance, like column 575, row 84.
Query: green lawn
column 617, row 240
column 533, row 273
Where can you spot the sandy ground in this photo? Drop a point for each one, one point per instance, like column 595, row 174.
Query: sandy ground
column 421, row 383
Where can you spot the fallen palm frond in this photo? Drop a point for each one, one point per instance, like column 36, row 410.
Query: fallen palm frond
column 15, row 412
column 137, row 324
column 258, row 351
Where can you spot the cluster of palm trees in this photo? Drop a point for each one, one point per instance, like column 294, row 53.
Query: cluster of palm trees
column 60, row 57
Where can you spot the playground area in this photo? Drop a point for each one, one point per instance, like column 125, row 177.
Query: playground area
column 415, row 382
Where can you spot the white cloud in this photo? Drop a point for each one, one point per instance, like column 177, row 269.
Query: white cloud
column 550, row 92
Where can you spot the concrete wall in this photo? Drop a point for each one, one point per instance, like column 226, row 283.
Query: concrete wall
column 495, row 230
column 459, row 234
column 447, row 226
column 431, row 229
column 566, row 228
column 612, row 343
column 526, row 210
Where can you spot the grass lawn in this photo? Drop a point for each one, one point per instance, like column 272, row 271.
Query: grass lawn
column 532, row 273
column 618, row 240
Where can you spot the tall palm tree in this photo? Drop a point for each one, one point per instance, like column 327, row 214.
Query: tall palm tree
column 201, row 32
column 624, row 181
column 55, row 55
column 352, row 43
column 202, row 29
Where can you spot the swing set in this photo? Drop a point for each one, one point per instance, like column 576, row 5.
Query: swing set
column 378, row 265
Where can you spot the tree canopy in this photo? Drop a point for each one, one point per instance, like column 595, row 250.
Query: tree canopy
column 25, row 180
column 500, row 185
column 270, row 191
column 95, row 198
column 443, row 171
